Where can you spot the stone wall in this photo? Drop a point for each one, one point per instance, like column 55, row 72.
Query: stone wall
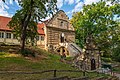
column 54, row 34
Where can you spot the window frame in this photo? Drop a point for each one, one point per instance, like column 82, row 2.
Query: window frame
column 1, row 34
column 8, row 35
column 42, row 38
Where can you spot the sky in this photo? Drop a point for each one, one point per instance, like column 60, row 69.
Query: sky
column 9, row 8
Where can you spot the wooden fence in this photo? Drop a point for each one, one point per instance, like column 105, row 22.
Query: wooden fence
column 40, row 72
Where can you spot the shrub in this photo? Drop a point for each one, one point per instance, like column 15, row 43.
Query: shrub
column 116, row 57
column 28, row 52
column 106, row 59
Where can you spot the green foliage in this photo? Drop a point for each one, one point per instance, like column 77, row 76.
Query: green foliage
column 117, row 69
column 27, row 52
column 97, row 20
column 15, row 24
column 106, row 59
column 24, row 22
column 116, row 53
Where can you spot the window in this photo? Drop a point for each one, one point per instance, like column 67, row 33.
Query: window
column 42, row 38
column 8, row 35
column 1, row 35
column 61, row 23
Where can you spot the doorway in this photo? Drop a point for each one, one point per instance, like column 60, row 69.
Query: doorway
column 93, row 64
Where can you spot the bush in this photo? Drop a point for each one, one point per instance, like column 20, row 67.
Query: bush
column 106, row 59
column 28, row 52
column 116, row 57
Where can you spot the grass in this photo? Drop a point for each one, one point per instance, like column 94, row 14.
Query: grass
column 117, row 68
column 16, row 62
column 6, row 61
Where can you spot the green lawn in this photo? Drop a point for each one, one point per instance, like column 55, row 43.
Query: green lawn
column 16, row 62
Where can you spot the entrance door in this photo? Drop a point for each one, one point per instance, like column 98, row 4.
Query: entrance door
column 93, row 64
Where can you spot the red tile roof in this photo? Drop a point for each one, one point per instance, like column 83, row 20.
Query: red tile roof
column 5, row 20
column 3, row 23
column 41, row 28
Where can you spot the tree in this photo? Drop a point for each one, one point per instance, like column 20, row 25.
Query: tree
column 31, row 12
column 97, row 20
column 116, row 44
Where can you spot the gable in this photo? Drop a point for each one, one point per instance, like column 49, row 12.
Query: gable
column 60, row 20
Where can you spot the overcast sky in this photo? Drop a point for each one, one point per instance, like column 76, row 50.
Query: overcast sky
column 69, row 6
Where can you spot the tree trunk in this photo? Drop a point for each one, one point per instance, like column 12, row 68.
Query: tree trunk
column 24, row 27
column 24, row 30
column 23, row 39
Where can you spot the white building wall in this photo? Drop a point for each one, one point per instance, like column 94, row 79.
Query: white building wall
column 8, row 40
column 15, row 41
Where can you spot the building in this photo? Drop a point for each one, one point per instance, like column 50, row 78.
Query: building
column 55, row 34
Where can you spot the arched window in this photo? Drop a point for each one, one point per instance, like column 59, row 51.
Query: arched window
column 61, row 23
column 62, row 38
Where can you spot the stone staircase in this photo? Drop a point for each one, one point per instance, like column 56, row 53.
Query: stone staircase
column 72, row 48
